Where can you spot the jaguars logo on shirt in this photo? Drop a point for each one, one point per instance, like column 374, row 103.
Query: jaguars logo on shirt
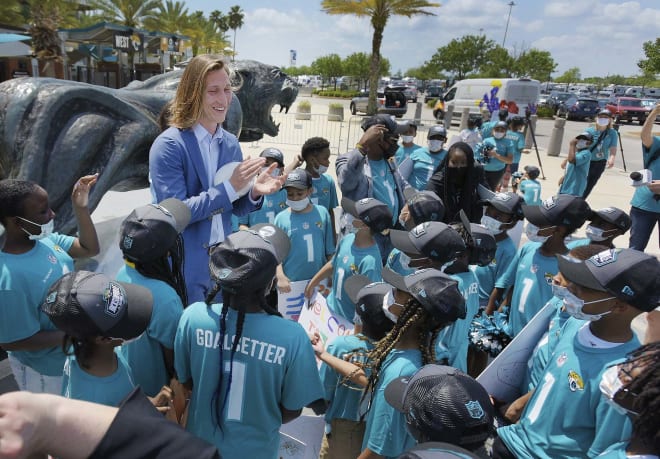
column 58, row 248
column 354, row 268
column 282, row 205
column 548, row 278
column 575, row 382
column 319, row 225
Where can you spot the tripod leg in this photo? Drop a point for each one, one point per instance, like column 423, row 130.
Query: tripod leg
column 536, row 147
column 623, row 158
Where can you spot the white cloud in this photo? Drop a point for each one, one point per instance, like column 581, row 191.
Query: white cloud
column 572, row 8
column 533, row 26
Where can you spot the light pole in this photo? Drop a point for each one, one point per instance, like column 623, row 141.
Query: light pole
column 511, row 5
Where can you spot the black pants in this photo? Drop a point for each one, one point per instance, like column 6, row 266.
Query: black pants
column 494, row 178
column 500, row 451
column 596, row 169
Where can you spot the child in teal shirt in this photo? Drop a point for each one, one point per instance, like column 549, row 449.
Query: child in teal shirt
column 577, row 165
column 528, row 186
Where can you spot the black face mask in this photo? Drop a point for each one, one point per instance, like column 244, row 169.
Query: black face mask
column 393, row 146
column 457, row 174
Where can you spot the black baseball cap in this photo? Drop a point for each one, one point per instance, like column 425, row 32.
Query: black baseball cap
column 501, row 125
column 275, row 154
column 629, row 275
column 150, row 231
column 532, row 171
column 424, row 206
column 388, row 121
column 507, row 202
column 586, row 135
column 435, row 240
column 442, row 403
column 278, row 238
column 246, row 261
column 605, row 112
column 563, row 209
column 84, row 304
column 368, row 298
column 437, row 450
column 372, row 212
column 298, row 178
column 485, row 246
column 437, row 131
column 613, row 215
column 437, row 292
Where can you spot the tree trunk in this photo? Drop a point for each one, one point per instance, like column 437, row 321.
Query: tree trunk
column 375, row 68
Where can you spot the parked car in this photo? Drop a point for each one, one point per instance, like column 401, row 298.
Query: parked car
column 411, row 92
column 432, row 92
column 581, row 108
column 390, row 100
column 649, row 104
column 557, row 98
column 627, row 109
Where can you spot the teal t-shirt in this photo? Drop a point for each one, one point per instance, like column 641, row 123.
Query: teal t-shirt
column 350, row 260
column 107, row 390
column 575, row 179
column 503, row 148
column 455, row 338
column 394, row 263
column 325, row 192
column 531, row 191
column 488, row 275
column 144, row 355
column 517, row 140
column 343, row 396
column 567, row 416
column 312, row 241
column 602, row 150
column 422, row 165
column 386, row 432
column 616, row 451
column 24, row 281
column 274, row 366
column 643, row 198
column 531, row 275
column 404, row 152
column 546, row 345
column 272, row 205
column 487, row 128
column 384, row 186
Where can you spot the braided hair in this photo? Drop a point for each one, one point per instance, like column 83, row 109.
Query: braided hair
column 413, row 315
column 13, row 194
column 168, row 268
column 647, row 387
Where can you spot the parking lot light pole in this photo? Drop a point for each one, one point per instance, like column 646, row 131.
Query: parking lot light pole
column 506, row 29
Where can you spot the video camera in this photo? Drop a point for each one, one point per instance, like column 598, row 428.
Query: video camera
column 485, row 152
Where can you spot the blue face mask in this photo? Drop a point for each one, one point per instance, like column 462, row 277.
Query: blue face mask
column 574, row 305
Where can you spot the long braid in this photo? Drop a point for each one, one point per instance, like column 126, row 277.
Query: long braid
column 411, row 315
column 432, row 340
column 177, row 256
column 647, row 387
column 216, row 401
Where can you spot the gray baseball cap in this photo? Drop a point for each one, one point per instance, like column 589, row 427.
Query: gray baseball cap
column 298, row 178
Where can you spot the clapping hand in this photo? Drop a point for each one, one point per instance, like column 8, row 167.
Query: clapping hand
column 80, row 193
column 266, row 183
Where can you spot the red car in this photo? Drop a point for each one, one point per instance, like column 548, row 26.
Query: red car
column 627, row 109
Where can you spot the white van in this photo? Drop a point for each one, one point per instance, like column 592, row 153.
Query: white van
column 468, row 93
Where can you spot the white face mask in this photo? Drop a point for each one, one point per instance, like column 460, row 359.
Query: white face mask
column 407, row 138
column 321, row 169
column 574, row 305
column 499, row 135
column 609, row 385
column 581, row 144
column 388, row 300
column 603, row 121
column 595, row 234
column 532, row 232
column 298, row 205
column 640, row 324
column 275, row 173
column 492, row 224
column 45, row 230
column 351, row 229
column 435, row 145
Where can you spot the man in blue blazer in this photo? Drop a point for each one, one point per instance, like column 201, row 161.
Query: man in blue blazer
column 184, row 160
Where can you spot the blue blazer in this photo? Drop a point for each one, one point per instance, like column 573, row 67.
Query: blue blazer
column 176, row 170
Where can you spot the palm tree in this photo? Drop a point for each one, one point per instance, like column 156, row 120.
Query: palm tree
column 235, row 21
column 379, row 11
column 170, row 17
column 131, row 13
column 221, row 21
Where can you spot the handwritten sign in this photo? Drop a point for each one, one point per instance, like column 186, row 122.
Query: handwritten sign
column 290, row 304
column 319, row 319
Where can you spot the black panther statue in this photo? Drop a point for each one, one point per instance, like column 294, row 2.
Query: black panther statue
column 54, row 131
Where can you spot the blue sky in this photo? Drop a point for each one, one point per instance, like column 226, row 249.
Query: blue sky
column 598, row 37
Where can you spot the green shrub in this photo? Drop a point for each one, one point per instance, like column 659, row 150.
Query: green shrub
column 545, row 112
column 336, row 105
column 431, row 103
column 304, row 104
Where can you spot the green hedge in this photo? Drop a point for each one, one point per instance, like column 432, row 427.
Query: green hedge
column 545, row 112
column 431, row 103
column 345, row 94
